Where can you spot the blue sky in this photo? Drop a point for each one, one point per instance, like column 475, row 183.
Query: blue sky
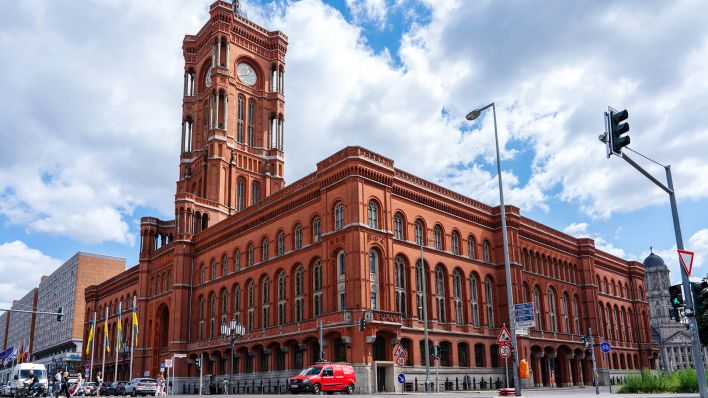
column 93, row 89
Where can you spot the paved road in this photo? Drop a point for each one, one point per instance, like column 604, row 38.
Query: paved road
column 555, row 392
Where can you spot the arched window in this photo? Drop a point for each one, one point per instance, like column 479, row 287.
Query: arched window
column 237, row 303
column 212, row 315
column 202, row 274
column 398, row 226
column 341, row 281
column 317, row 288
column 373, row 215
column 281, row 298
column 576, row 315
column 265, row 301
column 471, row 243
column 419, row 232
column 373, row 261
column 255, row 192
column 440, row 292
column 474, row 298
column 213, row 270
column 251, row 122
column 486, row 251
column 552, row 309
column 489, row 292
column 224, row 265
column 240, row 194
column 537, row 307
column 438, row 237
column 399, row 275
column 419, row 288
column 265, row 249
column 237, row 261
column 251, row 305
column 299, row 292
column 457, row 294
column 297, row 243
column 455, row 242
column 566, row 314
column 202, row 316
column 338, row 216
column 251, row 256
column 316, row 234
column 239, row 127
column 281, row 243
column 224, row 306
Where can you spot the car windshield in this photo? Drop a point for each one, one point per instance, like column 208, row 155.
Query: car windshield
column 24, row 373
column 311, row 371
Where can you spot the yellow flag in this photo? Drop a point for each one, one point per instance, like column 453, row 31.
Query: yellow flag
column 135, row 325
column 105, row 337
column 90, row 336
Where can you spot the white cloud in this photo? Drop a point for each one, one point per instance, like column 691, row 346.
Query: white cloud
column 577, row 229
column 369, row 10
column 22, row 267
column 581, row 230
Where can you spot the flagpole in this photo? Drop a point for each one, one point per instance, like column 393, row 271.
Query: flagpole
column 132, row 335
column 103, row 362
column 119, row 330
column 93, row 345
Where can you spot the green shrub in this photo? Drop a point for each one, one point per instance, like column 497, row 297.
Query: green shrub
column 685, row 381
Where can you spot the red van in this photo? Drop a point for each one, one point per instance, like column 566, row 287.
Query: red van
column 327, row 377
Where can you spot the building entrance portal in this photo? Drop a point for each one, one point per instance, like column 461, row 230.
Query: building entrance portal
column 384, row 377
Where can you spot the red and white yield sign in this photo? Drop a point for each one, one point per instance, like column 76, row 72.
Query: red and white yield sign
column 686, row 260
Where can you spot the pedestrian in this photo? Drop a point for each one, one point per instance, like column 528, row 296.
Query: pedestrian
column 56, row 390
column 226, row 386
column 160, row 390
column 79, row 385
column 65, row 384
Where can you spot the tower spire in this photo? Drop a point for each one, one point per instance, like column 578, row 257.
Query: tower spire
column 237, row 7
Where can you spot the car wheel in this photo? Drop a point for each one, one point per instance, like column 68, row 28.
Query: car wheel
column 350, row 389
column 134, row 393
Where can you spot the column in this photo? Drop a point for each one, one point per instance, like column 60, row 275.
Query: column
column 218, row 51
column 191, row 83
column 182, row 148
column 228, row 53
column 217, row 110
column 213, row 55
column 281, row 80
column 274, row 80
column 185, row 84
column 211, row 111
column 190, row 126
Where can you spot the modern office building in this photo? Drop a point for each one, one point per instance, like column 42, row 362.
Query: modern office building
column 341, row 244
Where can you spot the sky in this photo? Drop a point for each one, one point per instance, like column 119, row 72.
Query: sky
column 91, row 112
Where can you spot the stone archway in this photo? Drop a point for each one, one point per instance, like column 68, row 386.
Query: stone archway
column 160, row 337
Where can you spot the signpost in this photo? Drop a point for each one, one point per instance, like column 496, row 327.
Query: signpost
column 606, row 348
column 401, row 378
column 524, row 315
column 504, row 339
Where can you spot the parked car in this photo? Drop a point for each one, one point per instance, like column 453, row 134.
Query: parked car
column 324, row 377
column 141, row 386
column 115, row 388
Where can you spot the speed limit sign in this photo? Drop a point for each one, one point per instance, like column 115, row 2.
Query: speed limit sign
column 505, row 351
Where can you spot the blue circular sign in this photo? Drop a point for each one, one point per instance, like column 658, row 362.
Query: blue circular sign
column 605, row 347
column 401, row 378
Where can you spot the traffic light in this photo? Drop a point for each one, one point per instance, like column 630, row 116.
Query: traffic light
column 198, row 362
column 617, row 128
column 60, row 314
column 362, row 324
column 676, row 295
column 675, row 315
column 700, row 295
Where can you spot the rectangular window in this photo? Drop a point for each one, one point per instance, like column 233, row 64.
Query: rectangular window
column 342, row 302
column 239, row 132
column 251, row 122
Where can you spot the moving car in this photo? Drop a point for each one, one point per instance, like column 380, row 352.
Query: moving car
column 141, row 386
column 324, row 377
column 115, row 388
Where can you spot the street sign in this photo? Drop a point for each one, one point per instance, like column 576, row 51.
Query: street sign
column 168, row 363
column 524, row 315
column 504, row 335
column 605, row 347
column 401, row 378
column 505, row 351
column 399, row 351
column 400, row 361
column 162, row 367
column 686, row 260
column 180, row 355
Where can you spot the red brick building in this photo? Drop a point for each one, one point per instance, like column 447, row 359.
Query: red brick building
column 341, row 244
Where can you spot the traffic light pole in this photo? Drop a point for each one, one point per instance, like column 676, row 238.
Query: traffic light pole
column 688, row 292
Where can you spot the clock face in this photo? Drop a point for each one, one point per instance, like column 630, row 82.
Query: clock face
column 246, row 74
column 207, row 78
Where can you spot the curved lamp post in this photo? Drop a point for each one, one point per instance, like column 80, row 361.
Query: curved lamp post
column 232, row 332
column 507, row 267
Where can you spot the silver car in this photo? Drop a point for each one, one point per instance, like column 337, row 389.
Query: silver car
column 141, row 386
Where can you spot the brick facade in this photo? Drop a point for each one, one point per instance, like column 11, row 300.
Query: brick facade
column 341, row 244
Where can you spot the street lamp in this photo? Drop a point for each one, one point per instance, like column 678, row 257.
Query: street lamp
column 232, row 332
column 507, row 267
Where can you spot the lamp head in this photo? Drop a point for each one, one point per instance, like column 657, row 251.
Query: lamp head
column 473, row 115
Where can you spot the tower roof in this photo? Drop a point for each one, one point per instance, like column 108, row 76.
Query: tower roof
column 654, row 262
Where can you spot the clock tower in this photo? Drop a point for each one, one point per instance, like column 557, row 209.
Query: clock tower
column 232, row 118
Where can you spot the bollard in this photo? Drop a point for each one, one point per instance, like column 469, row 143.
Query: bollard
column 456, row 384
column 474, row 383
column 416, row 384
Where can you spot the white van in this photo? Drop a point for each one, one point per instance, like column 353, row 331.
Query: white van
column 20, row 373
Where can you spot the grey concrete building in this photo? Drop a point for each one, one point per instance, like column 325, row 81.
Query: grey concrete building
column 3, row 330
column 673, row 337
